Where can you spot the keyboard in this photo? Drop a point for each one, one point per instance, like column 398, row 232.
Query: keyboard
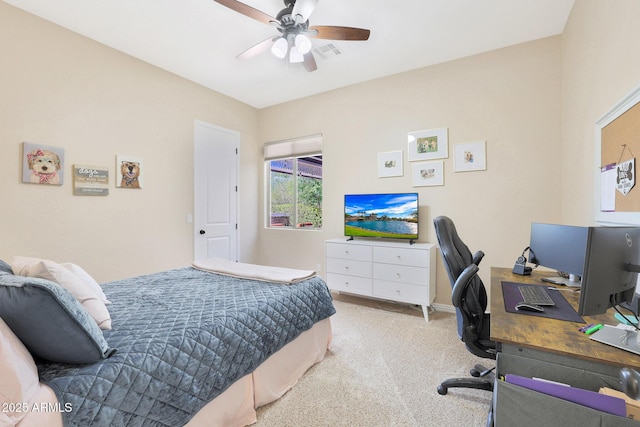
column 536, row 295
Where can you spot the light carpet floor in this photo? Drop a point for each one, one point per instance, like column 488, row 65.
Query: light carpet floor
column 382, row 369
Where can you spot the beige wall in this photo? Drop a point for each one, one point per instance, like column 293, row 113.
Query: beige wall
column 600, row 66
column 534, row 104
column 510, row 98
column 61, row 89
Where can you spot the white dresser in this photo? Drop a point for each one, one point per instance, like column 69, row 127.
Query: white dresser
column 396, row 271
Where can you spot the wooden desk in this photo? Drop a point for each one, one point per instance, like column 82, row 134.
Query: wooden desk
column 554, row 340
column 553, row 349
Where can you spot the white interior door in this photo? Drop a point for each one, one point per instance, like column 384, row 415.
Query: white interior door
column 216, row 192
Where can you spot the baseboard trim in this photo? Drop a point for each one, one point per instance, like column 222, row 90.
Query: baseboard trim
column 444, row 308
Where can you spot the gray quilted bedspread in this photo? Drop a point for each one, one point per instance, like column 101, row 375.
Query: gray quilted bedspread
column 183, row 336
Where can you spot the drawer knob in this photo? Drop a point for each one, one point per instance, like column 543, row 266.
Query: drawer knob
column 346, row 252
column 346, row 268
column 398, row 274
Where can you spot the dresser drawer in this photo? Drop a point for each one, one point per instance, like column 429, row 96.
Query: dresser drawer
column 347, row 251
column 401, row 273
column 400, row 292
column 401, row 256
column 351, row 284
column 349, row 267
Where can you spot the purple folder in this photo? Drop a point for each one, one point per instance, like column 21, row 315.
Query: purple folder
column 592, row 399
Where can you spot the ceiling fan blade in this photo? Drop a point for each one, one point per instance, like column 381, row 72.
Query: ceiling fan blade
column 338, row 33
column 247, row 11
column 310, row 62
column 257, row 49
column 303, row 8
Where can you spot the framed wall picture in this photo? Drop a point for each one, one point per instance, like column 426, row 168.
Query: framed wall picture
column 42, row 164
column 427, row 174
column 129, row 172
column 470, row 156
column 428, row 144
column 90, row 180
column 390, row 164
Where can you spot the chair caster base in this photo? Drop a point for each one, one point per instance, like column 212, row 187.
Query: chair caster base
column 480, row 371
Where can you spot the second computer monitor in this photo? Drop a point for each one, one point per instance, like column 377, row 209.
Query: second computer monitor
column 559, row 247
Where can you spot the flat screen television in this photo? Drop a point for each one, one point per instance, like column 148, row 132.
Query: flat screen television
column 393, row 215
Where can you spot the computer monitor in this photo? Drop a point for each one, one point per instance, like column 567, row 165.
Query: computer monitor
column 611, row 267
column 560, row 247
column 604, row 260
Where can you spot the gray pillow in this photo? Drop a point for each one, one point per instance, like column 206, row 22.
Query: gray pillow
column 50, row 322
column 5, row 267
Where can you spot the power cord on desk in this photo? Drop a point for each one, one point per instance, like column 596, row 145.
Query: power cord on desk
column 614, row 303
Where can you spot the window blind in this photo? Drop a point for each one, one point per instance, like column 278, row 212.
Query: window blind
column 296, row 147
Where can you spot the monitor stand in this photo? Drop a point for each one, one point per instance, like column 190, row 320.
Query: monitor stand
column 562, row 281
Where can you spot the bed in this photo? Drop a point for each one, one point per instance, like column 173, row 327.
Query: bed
column 182, row 347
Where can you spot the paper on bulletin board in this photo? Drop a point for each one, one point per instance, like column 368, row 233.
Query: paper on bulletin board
column 608, row 188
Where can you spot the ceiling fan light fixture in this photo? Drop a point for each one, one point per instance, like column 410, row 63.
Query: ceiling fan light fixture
column 303, row 44
column 293, row 43
column 280, row 48
column 295, row 55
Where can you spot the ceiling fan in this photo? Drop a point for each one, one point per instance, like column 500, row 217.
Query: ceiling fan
column 292, row 22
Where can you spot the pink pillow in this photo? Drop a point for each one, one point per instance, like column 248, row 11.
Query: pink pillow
column 18, row 378
column 49, row 270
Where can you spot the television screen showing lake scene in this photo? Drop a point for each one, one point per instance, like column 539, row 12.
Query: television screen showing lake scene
column 381, row 215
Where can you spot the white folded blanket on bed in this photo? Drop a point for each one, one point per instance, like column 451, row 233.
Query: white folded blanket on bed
column 253, row 271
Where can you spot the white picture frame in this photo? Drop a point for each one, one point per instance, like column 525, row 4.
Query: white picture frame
column 390, row 164
column 428, row 144
column 428, row 174
column 470, row 156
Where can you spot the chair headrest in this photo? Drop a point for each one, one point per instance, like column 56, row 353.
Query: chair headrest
column 455, row 252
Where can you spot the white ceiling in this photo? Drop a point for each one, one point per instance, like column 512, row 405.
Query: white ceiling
column 199, row 39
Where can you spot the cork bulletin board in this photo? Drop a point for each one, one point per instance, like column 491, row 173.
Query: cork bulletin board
column 617, row 144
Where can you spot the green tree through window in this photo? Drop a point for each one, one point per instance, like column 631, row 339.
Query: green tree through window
column 295, row 192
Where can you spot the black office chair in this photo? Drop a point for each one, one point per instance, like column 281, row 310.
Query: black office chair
column 469, row 297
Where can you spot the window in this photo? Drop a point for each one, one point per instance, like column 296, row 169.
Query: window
column 294, row 183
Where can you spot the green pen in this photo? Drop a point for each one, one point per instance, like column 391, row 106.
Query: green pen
column 593, row 329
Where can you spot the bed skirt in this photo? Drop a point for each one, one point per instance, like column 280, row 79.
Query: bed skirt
column 237, row 405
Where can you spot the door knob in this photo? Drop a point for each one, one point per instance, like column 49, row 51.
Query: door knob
column 202, row 231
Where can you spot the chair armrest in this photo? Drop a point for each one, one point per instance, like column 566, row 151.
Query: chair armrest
column 462, row 282
column 477, row 257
